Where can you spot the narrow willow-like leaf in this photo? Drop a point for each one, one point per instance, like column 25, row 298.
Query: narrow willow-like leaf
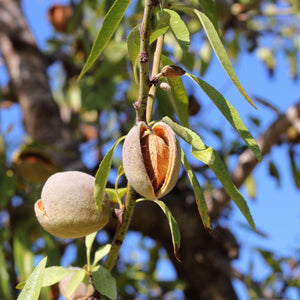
column 209, row 9
column 294, row 168
column 54, row 274
column 250, row 186
column 4, row 277
column 175, row 233
column 133, row 44
column 105, row 283
column 177, row 95
column 199, row 196
column 102, row 174
column 89, row 240
column 100, row 253
column 212, row 159
column 161, row 26
column 202, row 151
column 23, row 255
column 110, row 23
column 230, row 113
column 221, row 173
column 179, row 30
column 220, row 51
column 34, row 282
column 75, row 281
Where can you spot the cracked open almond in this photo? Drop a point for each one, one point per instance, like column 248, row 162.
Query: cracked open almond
column 67, row 208
column 151, row 159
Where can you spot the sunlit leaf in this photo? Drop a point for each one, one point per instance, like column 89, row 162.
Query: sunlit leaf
column 198, row 147
column 212, row 159
column 250, row 186
column 89, row 240
column 179, row 29
column 133, row 44
column 209, row 9
column 230, row 113
column 161, row 25
column 102, row 174
column 5, row 293
column 110, row 23
column 175, row 233
column 112, row 194
column 54, row 274
column 100, row 253
column 177, row 95
column 23, row 255
column 34, row 282
column 105, row 283
column 75, row 281
column 199, row 196
column 221, row 173
column 220, row 51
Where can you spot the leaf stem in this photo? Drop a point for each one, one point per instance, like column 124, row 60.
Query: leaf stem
column 122, row 229
column 145, row 32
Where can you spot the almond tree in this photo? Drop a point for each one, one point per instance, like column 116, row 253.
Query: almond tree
column 131, row 81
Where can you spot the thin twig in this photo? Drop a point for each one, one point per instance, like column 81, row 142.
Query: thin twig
column 145, row 31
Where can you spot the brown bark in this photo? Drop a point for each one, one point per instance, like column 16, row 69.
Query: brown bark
column 29, row 81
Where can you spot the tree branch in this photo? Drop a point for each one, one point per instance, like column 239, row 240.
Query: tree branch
column 29, row 81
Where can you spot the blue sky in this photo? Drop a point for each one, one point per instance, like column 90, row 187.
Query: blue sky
column 276, row 210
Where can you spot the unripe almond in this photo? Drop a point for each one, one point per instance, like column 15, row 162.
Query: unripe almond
column 67, row 208
column 172, row 71
column 151, row 159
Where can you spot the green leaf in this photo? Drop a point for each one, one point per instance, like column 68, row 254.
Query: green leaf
column 89, row 240
column 177, row 95
column 220, row 51
column 110, row 23
column 102, row 174
column 250, row 186
column 175, row 233
column 161, row 26
column 23, row 255
column 34, row 283
column 112, row 194
column 54, row 274
column 133, row 39
column 205, row 56
column 179, row 30
column 133, row 44
column 209, row 9
column 5, row 293
column 221, row 173
column 100, row 253
column 75, row 281
column 199, row 196
column 105, row 283
column 212, row 159
column 198, row 147
column 230, row 113
column 294, row 168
